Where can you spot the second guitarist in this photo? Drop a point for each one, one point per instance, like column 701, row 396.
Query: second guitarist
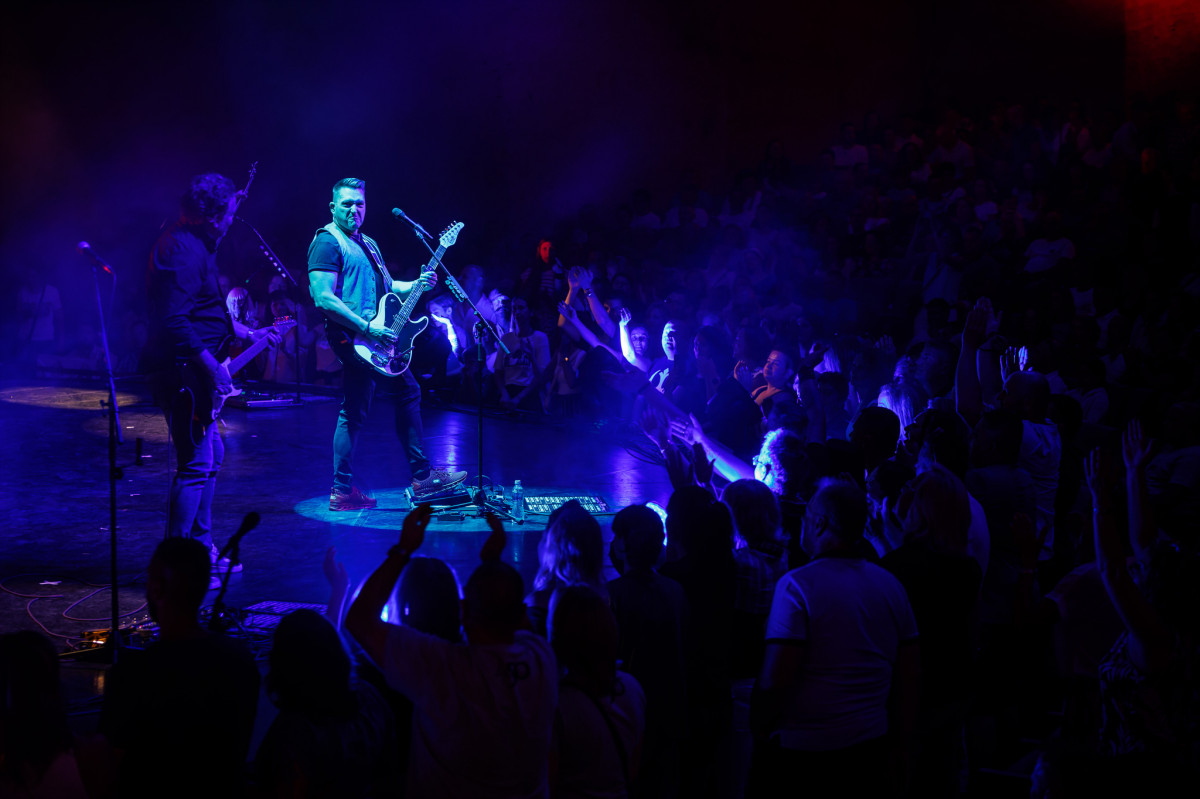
column 346, row 277
column 190, row 334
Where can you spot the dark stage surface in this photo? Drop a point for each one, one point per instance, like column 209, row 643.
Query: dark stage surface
column 278, row 462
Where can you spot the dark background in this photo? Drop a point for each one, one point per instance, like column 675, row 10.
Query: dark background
column 506, row 115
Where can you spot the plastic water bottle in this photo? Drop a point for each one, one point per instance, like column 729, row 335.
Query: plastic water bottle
column 518, row 501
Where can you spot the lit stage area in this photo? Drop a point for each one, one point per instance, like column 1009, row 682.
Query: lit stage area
column 55, row 499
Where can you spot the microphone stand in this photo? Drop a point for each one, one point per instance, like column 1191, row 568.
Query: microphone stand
column 483, row 327
column 273, row 259
column 114, row 471
column 219, row 621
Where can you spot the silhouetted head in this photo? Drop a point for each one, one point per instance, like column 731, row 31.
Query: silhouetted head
column 571, row 549
column 637, row 539
column 427, row 598
column 178, row 577
column 494, row 600
column 33, row 719
column 834, row 518
column 755, row 511
column 310, row 669
column 208, row 203
column 875, row 433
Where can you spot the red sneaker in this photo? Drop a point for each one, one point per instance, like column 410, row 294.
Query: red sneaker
column 354, row 500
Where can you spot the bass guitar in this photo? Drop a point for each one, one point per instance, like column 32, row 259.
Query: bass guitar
column 196, row 386
column 392, row 359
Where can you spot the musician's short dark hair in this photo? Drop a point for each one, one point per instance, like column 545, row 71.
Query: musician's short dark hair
column 207, row 197
column 349, row 183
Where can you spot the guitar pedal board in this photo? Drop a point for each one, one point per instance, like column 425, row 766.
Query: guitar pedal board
column 452, row 498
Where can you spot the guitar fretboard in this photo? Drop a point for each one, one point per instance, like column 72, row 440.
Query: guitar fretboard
column 401, row 318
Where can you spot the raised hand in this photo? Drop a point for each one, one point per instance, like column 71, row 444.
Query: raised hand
column 626, row 317
column 886, row 345
column 687, row 430
column 1135, row 447
column 1010, row 363
column 678, row 469
column 412, row 533
column 976, row 327
column 567, row 312
column 656, row 428
column 816, row 354
column 335, row 571
column 585, row 277
column 744, row 374
column 493, row 547
column 573, row 277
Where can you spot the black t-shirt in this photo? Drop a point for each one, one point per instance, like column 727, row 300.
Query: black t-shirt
column 187, row 311
column 325, row 255
column 183, row 711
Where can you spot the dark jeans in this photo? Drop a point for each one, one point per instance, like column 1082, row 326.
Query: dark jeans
column 199, row 453
column 359, row 384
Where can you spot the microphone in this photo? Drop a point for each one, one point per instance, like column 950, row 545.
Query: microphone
column 221, row 620
column 249, row 522
column 86, row 251
column 396, row 212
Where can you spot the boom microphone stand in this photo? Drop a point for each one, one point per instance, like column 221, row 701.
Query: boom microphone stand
column 482, row 328
column 273, row 259
column 114, row 438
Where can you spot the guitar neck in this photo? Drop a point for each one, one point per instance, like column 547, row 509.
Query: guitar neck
column 247, row 355
column 409, row 304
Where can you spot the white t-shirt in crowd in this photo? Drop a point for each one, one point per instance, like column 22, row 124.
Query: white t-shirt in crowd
column 483, row 716
column 1043, row 254
column 589, row 761
column 853, row 616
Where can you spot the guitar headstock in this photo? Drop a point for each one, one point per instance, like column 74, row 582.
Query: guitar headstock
column 282, row 324
column 450, row 235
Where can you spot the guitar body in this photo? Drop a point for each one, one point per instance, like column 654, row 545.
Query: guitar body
column 396, row 315
column 195, row 396
column 390, row 360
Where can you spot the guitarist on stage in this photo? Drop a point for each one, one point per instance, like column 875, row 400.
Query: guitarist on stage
column 191, row 331
column 347, row 277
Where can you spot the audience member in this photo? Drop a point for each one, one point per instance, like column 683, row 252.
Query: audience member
column 484, row 709
column 181, row 712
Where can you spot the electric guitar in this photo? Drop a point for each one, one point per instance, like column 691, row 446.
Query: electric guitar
column 396, row 316
column 195, row 384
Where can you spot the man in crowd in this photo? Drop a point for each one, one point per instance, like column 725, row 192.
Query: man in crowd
column 179, row 715
column 346, row 277
column 838, row 686
column 484, row 710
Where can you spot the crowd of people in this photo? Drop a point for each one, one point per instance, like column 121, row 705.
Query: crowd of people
column 929, row 408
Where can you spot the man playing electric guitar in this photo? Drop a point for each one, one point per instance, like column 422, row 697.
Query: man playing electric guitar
column 191, row 329
column 346, row 277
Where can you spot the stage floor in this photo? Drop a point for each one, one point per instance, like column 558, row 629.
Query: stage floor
column 278, row 462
